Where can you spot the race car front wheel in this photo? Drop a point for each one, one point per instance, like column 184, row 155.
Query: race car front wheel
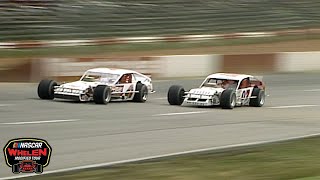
column 228, row 99
column 46, row 89
column 102, row 94
column 176, row 95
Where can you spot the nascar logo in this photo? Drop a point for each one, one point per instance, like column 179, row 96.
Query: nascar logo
column 20, row 145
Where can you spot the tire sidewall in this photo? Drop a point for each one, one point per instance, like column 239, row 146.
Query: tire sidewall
column 259, row 101
column 143, row 93
column 102, row 94
column 46, row 89
column 106, row 95
column 51, row 89
column 233, row 100
column 175, row 95
column 180, row 95
column 228, row 99
column 261, row 98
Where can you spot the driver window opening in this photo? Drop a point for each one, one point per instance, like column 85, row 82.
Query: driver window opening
column 244, row 84
column 126, row 78
column 221, row 83
column 99, row 77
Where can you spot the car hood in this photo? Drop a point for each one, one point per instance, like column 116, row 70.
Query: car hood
column 206, row 90
column 80, row 85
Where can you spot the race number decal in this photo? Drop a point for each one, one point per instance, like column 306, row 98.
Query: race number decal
column 245, row 94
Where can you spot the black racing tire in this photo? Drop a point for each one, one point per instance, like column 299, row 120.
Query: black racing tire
column 15, row 169
column 260, row 98
column 46, row 89
column 228, row 99
column 102, row 94
column 175, row 95
column 142, row 95
column 39, row 169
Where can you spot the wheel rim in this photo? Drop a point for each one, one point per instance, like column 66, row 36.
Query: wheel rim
column 262, row 99
column 233, row 101
column 108, row 97
column 181, row 98
column 145, row 96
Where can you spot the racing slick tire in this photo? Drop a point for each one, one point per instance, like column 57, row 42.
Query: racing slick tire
column 102, row 94
column 175, row 95
column 45, row 89
column 259, row 99
column 228, row 99
column 15, row 169
column 39, row 169
column 142, row 95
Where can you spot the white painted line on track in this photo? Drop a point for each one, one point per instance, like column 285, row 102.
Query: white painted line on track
column 161, row 98
column 164, row 155
column 311, row 90
column 293, row 106
column 40, row 122
column 6, row 105
column 180, row 113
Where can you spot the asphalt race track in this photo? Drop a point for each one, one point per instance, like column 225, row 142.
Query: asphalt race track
column 85, row 133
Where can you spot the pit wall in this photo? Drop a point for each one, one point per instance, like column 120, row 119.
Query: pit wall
column 160, row 67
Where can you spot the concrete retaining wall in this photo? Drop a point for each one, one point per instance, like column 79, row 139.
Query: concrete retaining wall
column 249, row 63
column 188, row 65
column 164, row 66
column 298, row 61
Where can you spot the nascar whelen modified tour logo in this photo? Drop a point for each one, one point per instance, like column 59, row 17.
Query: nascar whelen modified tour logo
column 27, row 155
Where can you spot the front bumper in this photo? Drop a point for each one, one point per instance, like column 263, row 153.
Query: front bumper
column 202, row 100
column 68, row 96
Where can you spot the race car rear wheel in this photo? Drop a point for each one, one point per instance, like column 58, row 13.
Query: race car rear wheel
column 15, row 169
column 102, row 94
column 259, row 99
column 45, row 89
column 175, row 95
column 142, row 96
column 39, row 169
column 228, row 99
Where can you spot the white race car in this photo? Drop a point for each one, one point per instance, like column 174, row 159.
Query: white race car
column 100, row 85
column 222, row 89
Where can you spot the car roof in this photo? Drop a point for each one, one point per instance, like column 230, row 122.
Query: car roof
column 231, row 76
column 111, row 70
column 116, row 71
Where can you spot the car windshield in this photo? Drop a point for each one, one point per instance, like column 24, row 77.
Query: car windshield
column 220, row 83
column 99, row 77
